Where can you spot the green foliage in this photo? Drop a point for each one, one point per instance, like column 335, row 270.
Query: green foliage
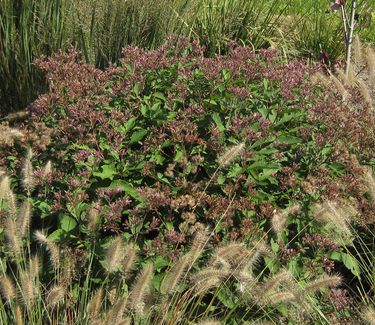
column 169, row 143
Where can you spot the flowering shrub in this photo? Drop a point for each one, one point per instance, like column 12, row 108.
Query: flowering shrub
column 169, row 142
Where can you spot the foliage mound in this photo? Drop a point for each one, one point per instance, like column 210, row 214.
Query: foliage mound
column 170, row 143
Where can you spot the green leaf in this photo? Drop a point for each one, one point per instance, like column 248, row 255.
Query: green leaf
column 289, row 139
column 127, row 188
column 67, row 223
column 45, row 209
column 138, row 136
column 218, row 122
column 108, row 171
column 57, row 235
column 129, row 124
column 351, row 263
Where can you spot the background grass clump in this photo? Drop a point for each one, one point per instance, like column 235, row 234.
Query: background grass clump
column 99, row 29
column 256, row 155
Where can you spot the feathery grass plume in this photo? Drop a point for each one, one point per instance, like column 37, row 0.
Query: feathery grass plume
column 352, row 77
column 47, row 169
column 115, row 313
column 7, row 194
column 55, row 295
column 357, row 49
column 199, row 242
column 208, row 278
column 114, row 255
column 231, row 154
column 340, row 87
column 370, row 60
column 125, row 321
column 365, row 93
column 369, row 315
column 210, row 322
column 129, row 259
column 370, row 182
column 279, row 218
column 253, row 255
column 12, row 236
column 226, row 254
column 323, row 282
column 7, row 288
column 93, row 307
column 24, row 218
column 174, row 275
column 280, row 297
column 204, row 286
column 329, row 213
column 321, row 78
column 267, row 288
column 343, row 77
column 19, row 316
column 52, row 248
column 28, row 290
column 141, row 289
column 27, row 172
column 93, row 218
column 34, row 267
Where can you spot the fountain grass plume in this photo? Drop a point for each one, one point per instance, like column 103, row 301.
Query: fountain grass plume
column 7, row 288
column 141, row 289
column 115, row 255
column 93, row 307
column 93, row 218
column 12, row 237
column 27, row 173
column 29, row 290
column 18, row 316
column 173, row 277
column 7, row 194
column 115, row 313
column 52, row 248
column 279, row 218
column 34, row 267
column 369, row 315
column 331, row 281
column 232, row 153
column 47, row 169
column 24, row 218
column 55, row 295
column 130, row 257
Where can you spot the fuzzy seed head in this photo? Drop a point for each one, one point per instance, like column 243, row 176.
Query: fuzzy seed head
column 7, row 288
column 200, row 241
column 93, row 219
column 115, row 255
column 47, row 169
column 27, row 173
column 129, row 259
column 93, row 307
column 175, row 274
column 7, row 194
column 365, row 93
column 24, row 218
column 19, row 316
column 115, row 313
column 12, row 237
column 331, row 281
column 29, row 290
column 55, row 295
column 52, row 248
column 369, row 315
column 231, row 154
column 141, row 289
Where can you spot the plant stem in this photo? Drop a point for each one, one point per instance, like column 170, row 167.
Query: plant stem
column 350, row 38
